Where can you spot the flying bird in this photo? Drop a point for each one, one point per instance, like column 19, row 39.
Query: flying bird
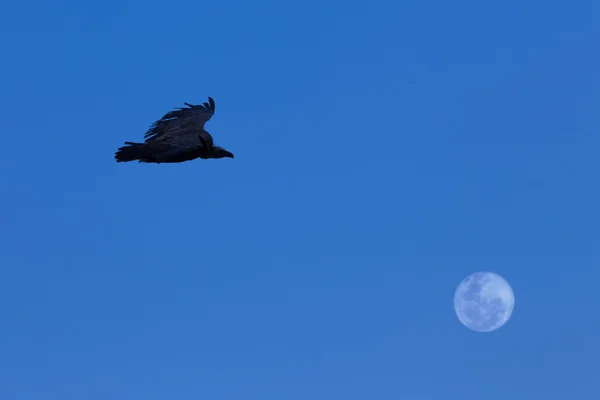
column 177, row 137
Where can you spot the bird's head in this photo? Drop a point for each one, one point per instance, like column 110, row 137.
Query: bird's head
column 219, row 152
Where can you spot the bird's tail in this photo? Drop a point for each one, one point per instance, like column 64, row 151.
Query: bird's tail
column 130, row 152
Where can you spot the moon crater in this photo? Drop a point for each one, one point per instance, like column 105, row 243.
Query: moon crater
column 484, row 301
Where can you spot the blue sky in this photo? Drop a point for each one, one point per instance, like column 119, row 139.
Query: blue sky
column 384, row 151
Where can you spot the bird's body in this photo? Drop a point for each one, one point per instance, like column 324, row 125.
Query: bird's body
column 178, row 136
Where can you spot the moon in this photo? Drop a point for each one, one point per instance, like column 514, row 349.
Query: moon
column 484, row 301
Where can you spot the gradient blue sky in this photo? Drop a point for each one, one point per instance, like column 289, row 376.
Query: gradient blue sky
column 384, row 150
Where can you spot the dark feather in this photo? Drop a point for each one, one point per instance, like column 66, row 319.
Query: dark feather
column 182, row 120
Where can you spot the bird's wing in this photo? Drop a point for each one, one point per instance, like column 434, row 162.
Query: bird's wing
column 171, row 146
column 182, row 120
column 184, row 138
column 206, row 138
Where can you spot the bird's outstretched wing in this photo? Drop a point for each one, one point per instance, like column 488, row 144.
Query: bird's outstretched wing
column 182, row 120
column 169, row 148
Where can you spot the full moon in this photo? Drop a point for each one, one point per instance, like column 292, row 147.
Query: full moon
column 484, row 301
